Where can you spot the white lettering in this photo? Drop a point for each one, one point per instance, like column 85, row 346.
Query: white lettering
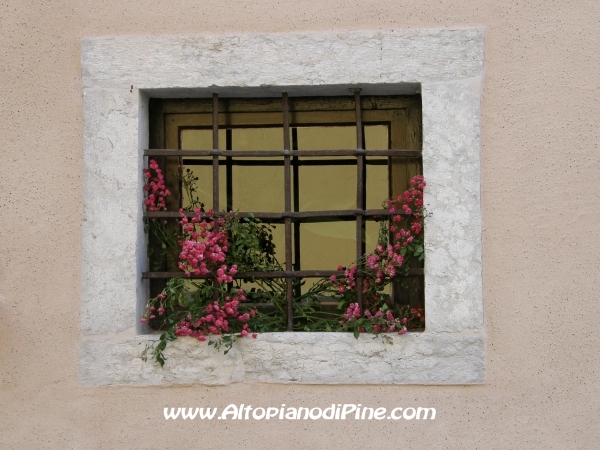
column 347, row 409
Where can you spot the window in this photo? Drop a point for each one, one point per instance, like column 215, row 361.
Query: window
column 316, row 169
column 119, row 76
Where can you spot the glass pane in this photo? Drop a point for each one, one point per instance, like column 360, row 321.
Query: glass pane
column 377, row 185
column 201, row 167
column 327, row 245
column 327, row 138
column 371, row 235
column 279, row 242
column 326, row 187
column 258, row 188
column 257, row 138
column 200, row 139
column 376, row 137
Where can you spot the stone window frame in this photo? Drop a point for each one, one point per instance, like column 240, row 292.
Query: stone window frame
column 121, row 73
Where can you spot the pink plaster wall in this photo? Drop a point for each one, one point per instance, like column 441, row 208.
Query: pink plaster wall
column 540, row 191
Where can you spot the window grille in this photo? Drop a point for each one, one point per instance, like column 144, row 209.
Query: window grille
column 291, row 216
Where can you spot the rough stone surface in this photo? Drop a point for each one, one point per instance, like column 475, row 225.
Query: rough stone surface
column 266, row 59
column 451, row 166
column 111, row 226
column 301, row 358
column 447, row 63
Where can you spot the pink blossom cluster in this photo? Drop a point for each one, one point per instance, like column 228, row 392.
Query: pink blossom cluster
column 152, row 310
column 347, row 282
column 216, row 319
column 383, row 261
column 205, row 247
column 381, row 322
column 411, row 204
column 418, row 314
column 155, row 188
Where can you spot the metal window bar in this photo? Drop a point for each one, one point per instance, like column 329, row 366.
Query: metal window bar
column 289, row 217
column 397, row 153
column 288, row 209
column 295, row 162
column 360, row 197
column 274, row 274
column 215, row 130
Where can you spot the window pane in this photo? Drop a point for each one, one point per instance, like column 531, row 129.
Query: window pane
column 376, row 137
column 377, row 186
column 327, row 245
column 326, row 187
column 257, row 138
column 279, row 242
column 200, row 139
column 327, row 138
column 201, row 167
column 258, row 188
column 371, row 235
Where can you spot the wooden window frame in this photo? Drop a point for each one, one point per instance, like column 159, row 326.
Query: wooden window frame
column 402, row 113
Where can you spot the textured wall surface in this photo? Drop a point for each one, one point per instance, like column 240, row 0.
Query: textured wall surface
column 301, row 358
column 540, row 165
column 448, row 64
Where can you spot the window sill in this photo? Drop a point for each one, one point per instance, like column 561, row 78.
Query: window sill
column 297, row 358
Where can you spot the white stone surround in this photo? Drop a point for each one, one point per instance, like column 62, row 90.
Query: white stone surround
column 446, row 65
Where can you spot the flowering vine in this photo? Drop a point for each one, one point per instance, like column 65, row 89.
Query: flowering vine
column 399, row 243
column 155, row 188
column 218, row 309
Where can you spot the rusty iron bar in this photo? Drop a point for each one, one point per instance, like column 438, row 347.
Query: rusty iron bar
column 360, row 197
column 295, row 162
column 215, row 133
column 293, row 215
column 228, row 169
column 396, row 153
column 276, row 274
column 288, row 209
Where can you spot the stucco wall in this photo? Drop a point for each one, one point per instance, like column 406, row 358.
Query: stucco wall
column 540, row 165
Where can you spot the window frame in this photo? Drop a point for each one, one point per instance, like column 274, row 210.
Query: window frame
column 402, row 115
column 445, row 65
